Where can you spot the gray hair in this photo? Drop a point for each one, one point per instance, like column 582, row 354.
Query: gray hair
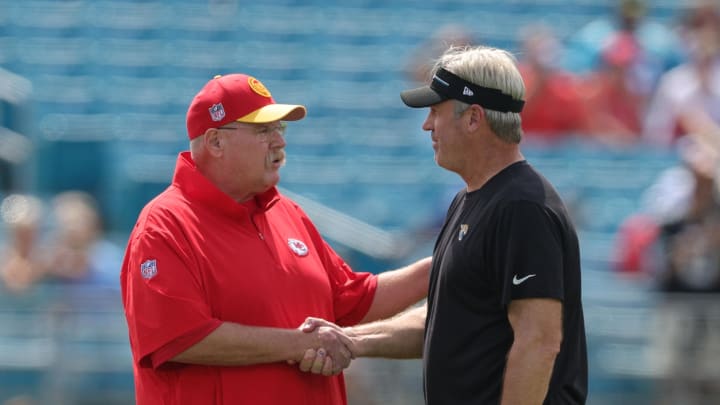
column 488, row 67
column 197, row 151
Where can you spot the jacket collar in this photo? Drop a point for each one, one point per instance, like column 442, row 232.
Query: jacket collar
column 197, row 188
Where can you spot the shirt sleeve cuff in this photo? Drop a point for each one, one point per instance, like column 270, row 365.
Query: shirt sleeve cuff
column 363, row 306
column 180, row 344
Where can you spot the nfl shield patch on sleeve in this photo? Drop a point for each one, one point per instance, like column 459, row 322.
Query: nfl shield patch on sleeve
column 148, row 269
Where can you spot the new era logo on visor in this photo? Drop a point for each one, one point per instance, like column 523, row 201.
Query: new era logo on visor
column 468, row 92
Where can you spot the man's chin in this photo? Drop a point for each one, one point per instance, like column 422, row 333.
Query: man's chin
column 273, row 180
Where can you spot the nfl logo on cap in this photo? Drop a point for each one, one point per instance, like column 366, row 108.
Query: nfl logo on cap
column 217, row 112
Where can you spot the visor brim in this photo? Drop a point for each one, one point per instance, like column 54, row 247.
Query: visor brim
column 275, row 112
column 421, row 97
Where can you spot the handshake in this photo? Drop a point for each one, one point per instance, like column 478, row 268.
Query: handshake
column 335, row 348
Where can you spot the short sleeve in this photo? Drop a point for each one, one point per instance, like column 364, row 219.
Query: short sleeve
column 163, row 298
column 353, row 292
column 529, row 252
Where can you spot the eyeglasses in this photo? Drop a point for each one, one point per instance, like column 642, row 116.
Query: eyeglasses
column 263, row 132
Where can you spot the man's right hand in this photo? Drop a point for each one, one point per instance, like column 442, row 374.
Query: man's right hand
column 334, row 352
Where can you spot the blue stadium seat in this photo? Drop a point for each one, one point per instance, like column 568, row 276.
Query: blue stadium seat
column 206, row 21
column 58, row 19
column 63, row 94
column 135, row 57
column 36, row 55
column 59, row 344
column 135, row 178
column 128, row 94
column 126, row 19
column 72, row 153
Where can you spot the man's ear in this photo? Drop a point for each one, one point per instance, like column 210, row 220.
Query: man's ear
column 477, row 116
column 214, row 142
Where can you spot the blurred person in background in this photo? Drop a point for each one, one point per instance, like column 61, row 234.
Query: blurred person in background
column 62, row 244
column 687, row 99
column 674, row 238
column 20, row 266
column 689, row 230
column 221, row 269
column 77, row 253
column 503, row 321
column 613, row 95
column 672, row 246
column 659, row 44
column 554, row 108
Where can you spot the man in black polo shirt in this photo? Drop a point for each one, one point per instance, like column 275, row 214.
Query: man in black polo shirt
column 503, row 321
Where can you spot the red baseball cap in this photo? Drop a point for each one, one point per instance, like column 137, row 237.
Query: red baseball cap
column 236, row 97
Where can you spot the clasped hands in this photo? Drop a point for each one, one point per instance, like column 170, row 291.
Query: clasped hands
column 333, row 353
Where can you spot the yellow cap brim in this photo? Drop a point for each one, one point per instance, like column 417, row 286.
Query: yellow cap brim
column 275, row 112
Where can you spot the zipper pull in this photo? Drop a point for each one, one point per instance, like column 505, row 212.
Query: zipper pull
column 261, row 236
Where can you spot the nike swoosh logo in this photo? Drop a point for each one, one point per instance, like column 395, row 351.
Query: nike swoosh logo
column 518, row 281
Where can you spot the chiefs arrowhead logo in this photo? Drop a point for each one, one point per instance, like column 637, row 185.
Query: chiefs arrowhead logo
column 298, row 247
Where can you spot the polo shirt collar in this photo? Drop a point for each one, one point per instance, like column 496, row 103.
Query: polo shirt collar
column 199, row 189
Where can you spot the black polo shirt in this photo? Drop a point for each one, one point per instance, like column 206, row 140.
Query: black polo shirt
column 511, row 239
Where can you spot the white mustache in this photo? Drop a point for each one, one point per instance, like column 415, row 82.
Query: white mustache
column 278, row 155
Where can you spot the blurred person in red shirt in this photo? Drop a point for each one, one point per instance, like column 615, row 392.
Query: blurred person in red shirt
column 554, row 107
column 674, row 238
column 614, row 95
column 658, row 41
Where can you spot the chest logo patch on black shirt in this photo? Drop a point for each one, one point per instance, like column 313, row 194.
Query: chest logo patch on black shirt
column 298, row 247
column 463, row 231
